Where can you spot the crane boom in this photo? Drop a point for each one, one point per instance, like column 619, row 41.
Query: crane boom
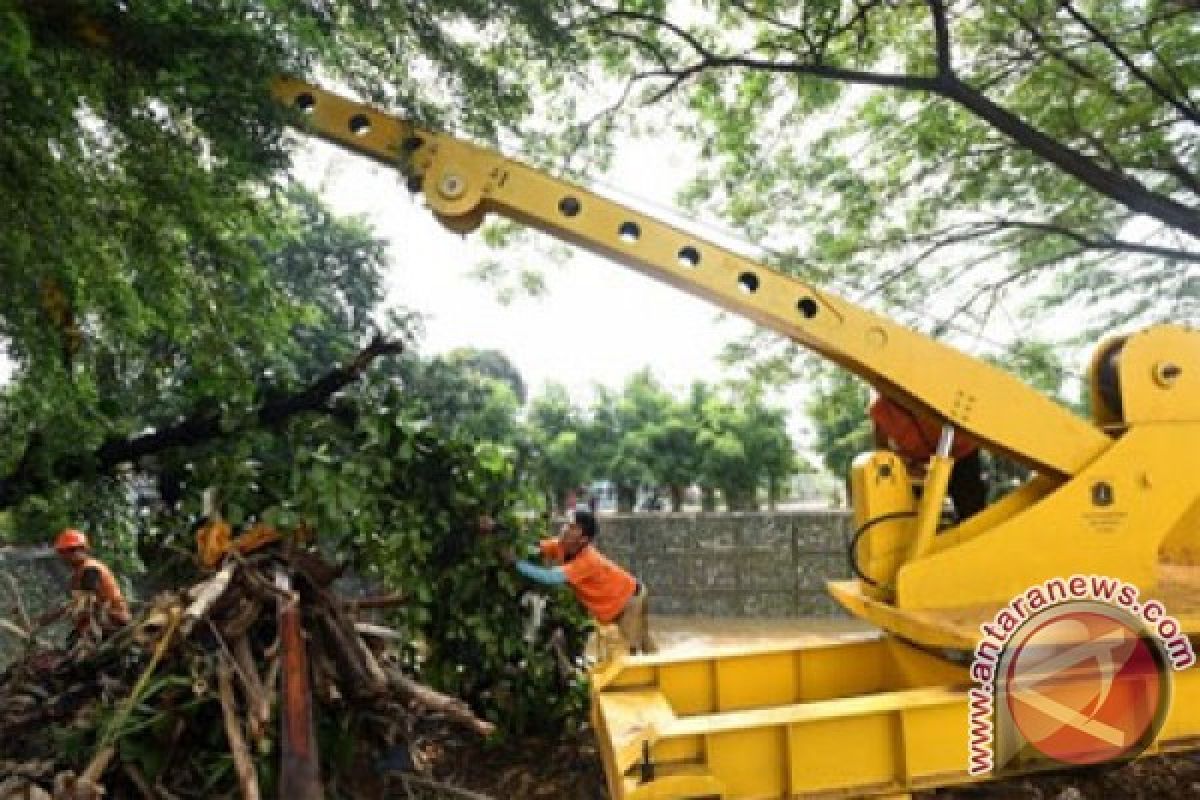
column 464, row 182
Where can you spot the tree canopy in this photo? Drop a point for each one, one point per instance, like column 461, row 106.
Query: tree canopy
column 144, row 197
column 642, row 435
column 177, row 315
column 941, row 158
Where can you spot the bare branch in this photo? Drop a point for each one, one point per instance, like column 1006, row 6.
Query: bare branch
column 603, row 117
column 762, row 16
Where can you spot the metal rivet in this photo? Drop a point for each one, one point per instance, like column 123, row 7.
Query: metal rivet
column 452, row 187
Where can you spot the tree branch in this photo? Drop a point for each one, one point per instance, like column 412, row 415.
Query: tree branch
column 203, row 425
column 1123, row 189
column 708, row 59
column 941, row 38
column 1186, row 111
column 995, row 286
column 1110, row 243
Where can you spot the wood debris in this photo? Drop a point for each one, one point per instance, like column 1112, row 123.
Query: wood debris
column 188, row 700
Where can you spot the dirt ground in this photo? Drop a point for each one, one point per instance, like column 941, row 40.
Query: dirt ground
column 1174, row 776
column 572, row 771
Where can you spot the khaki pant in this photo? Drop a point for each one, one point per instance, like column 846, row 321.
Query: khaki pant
column 634, row 622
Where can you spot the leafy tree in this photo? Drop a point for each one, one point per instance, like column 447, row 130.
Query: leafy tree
column 142, row 159
column 775, row 454
column 1014, row 146
column 561, row 460
column 838, row 410
column 178, row 318
column 626, row 432
column 458, row 396
column 674, row 450
column 700, row 396
column 160, row 399
column 725, row 463
column 614, row 440
column 491, row 364
column 744, row 446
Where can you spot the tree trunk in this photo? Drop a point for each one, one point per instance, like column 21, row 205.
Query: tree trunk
column 626, row 497
column 740, row 498
column 676, row 498
column 708, row 498
column 774, row 485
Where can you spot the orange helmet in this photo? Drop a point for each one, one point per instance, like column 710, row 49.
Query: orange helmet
column 69, row 539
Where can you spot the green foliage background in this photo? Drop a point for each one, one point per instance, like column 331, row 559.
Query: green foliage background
column 159, row 266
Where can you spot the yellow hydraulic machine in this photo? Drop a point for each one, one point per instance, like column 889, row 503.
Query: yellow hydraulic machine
column 886, row 713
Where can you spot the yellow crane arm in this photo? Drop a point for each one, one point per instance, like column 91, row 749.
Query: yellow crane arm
column 463, row 182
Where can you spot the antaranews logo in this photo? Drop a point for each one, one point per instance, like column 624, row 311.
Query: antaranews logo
column 1073, row 671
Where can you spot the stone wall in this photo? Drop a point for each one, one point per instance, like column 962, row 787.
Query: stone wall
column 742, row 564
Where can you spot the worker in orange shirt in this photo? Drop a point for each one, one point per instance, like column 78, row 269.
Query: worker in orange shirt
column 90, row 576
column 609, row 593
column 914, row 437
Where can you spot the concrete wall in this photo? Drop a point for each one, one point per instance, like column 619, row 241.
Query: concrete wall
column 742, row 564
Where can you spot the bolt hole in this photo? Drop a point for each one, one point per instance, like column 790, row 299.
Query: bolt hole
column 359, row 125
column 569, row 206
column 807, row 306
column 689, row 257
column 629, row 232
column 749, row 282
column 306, row 102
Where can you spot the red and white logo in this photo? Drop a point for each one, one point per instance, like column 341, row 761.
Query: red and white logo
column 1079, row 684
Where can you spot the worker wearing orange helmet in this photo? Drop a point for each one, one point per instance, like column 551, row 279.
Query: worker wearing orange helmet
column 91, row 576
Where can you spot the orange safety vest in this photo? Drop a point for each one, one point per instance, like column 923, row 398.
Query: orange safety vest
column 108, row 593
column 914, row 437
column 601, row 586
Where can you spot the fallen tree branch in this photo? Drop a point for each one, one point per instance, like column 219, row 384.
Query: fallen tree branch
column 351, row 605
column 258, row 705
column 207, row 593
column 380, row 632
column 202, row 425
column 242, row 763
column 15, row 629
column 433, row 700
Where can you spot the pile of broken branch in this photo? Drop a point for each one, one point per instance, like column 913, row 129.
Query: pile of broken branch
column 257, row 681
